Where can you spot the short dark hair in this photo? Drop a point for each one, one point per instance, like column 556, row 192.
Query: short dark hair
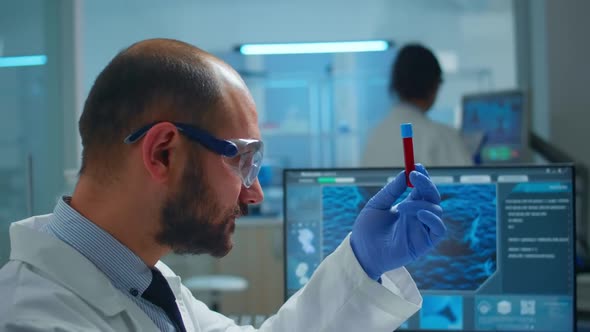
column 165, row 80
column 415, row 73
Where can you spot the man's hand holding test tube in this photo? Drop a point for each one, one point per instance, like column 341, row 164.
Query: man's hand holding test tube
column 384, row 239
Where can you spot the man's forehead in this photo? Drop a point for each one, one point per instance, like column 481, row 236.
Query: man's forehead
column 237, row 116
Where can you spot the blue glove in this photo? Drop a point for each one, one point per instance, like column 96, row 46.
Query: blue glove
column 383, row 240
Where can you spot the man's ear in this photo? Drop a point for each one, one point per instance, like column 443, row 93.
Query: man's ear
column 157, row 149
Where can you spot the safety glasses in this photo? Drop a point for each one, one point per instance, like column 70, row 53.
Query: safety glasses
column 244, row 156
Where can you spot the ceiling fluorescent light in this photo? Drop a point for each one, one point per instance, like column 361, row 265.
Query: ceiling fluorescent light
column 306, row 48
column 21, row 61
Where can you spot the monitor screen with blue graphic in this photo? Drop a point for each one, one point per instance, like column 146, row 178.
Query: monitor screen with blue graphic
column 506, row 263
column 499, row 122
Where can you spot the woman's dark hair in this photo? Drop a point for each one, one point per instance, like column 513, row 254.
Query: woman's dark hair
column 415, row 73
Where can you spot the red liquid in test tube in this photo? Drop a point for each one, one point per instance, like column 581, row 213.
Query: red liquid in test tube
column 406, row 129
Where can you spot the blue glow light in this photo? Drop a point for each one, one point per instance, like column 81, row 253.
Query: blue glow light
column 21, row 61
column 325, row 47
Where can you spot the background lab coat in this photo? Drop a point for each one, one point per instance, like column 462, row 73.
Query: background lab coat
column 434, row 143
column 49, row 286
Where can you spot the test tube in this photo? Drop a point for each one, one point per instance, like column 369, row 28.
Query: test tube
column 407, row 134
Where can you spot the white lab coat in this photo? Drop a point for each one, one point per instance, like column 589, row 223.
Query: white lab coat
column 434, row 143
column 49, row 286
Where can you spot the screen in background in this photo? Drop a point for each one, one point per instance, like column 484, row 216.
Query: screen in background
column 499, row 120
column 506, row 263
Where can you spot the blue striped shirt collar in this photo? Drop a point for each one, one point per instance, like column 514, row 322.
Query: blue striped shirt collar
column 125, row 269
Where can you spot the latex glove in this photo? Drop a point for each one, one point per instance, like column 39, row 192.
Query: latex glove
column 383, row 240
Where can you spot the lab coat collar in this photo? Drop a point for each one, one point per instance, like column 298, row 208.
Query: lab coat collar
column 120, row 264
column 63, row 264
column 174, row 281
column 408, row 109
column 40, row 250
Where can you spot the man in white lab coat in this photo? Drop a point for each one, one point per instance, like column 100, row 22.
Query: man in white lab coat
column 415, row 80
column 171, row 153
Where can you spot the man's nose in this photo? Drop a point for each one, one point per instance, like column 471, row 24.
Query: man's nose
column 252, row 195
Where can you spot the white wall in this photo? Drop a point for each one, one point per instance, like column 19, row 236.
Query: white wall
column 569, row 75
column 568, row 80
column 481, row 34
column 553, row 55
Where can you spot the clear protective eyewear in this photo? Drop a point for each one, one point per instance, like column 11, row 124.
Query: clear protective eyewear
column 244, row 156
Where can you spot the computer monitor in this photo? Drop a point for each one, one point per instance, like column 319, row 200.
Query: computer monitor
column 498, row 120
column 505, row 264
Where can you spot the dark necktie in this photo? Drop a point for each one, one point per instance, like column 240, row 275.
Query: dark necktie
column 160, row 294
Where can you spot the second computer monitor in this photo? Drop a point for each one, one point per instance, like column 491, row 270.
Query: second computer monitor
column 500, row 120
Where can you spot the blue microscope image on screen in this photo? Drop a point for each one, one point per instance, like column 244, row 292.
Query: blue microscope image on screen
column 301, row 271
column 301, row 266
column 495, row 126
column 500, row 118
column 442, row 313
column 340, row 206
column 462, row 261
